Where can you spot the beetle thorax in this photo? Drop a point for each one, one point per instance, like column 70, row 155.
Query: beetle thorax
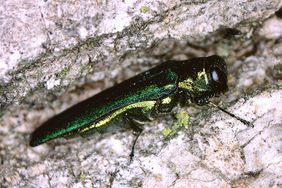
column 196, row 85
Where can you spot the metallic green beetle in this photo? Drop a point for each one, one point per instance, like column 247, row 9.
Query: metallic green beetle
column 140, row 99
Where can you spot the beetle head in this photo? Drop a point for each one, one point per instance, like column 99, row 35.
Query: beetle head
column 208, row 79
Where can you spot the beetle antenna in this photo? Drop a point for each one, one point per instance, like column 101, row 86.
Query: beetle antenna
column 232, row 115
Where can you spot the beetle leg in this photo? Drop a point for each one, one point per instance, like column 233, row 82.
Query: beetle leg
column 137, row 130
column 183, row 97
column 165, row 105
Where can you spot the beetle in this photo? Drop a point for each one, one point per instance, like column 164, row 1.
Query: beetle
column 140, row 99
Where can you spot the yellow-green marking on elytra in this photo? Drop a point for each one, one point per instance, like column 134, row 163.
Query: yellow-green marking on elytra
column 145, row 105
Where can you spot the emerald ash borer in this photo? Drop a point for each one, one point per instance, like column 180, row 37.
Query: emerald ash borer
column 140, row 99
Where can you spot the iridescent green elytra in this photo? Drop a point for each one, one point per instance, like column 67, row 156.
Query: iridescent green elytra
column 140, row 98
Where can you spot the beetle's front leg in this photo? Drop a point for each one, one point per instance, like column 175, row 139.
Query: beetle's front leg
column 165, row 105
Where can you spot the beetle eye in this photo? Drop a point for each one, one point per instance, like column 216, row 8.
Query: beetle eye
column 218, row 75
column 215, row 76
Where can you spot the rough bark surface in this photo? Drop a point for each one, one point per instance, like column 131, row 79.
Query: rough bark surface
column 54, row 54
